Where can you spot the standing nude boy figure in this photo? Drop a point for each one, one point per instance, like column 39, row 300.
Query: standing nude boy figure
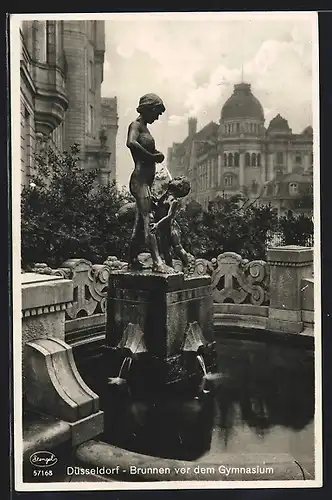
column 145, row 156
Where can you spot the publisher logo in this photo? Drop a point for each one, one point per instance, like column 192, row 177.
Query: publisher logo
column 43, row 459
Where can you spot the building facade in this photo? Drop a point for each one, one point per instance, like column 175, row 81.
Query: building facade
column 241, row 156
column 61, row 76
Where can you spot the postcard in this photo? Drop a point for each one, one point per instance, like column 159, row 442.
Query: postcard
column 166, row 271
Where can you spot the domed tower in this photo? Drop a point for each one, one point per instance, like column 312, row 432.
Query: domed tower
column 278, row 126
column 242, row 133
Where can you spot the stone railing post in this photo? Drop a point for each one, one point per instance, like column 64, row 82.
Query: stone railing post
column 52, row 384
column 288, row 266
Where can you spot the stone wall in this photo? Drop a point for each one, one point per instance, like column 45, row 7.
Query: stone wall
column 58, row 406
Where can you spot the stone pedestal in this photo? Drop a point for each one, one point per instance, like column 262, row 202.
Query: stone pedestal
column 162, row 305
column 161, row 317
column 289, row 265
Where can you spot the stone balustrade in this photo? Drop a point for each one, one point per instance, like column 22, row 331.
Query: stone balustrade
column 275, row 295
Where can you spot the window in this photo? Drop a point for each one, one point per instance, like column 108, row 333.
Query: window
column 41, row 29
column 253, row 160
column 91, row 75
column 258, row 160
column 228, row 181
column 90, row 120
column 225, row 160
column 298, row 159
column 293, row 188
column 280, row 158
column 236, row 159
column 254, row 186
column 94, row 30
column 230, row 160
column 247, row 159
column 238, row 128
column 51, row 48
column 26, row 142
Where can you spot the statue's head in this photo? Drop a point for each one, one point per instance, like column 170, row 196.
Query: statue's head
column 150, row 106
column 179, row 186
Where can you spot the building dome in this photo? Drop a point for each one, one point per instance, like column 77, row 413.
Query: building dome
column 278, row 124
column 308, row 130
column 242, row 104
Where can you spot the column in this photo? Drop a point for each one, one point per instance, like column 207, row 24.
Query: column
column 219, row 169
column 241, row 171
column 289, row 162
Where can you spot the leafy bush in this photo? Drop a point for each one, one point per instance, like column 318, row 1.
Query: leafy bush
column 65, row 214
column 227, row 226
column 296, row 229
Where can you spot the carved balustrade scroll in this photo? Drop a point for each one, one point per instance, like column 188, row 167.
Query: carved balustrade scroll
column 240, row 281
column 234, row 279
column 90, row 283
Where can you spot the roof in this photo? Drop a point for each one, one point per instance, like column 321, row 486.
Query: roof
column 304, row 182
column 278, row 124
column 211, row 129
column 242, row 104
column 292, row 177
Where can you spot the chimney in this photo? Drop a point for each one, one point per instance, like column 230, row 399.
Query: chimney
column 192, row 126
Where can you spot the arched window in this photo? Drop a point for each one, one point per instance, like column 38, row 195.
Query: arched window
column 228, row 181
column 293, row 188
column 236, row 160
column 253, row 160
column 230, row 160
column 258, row 159
column 247, row 159
column 225, row 160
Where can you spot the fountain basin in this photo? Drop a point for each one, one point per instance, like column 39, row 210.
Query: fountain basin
column 122, row 465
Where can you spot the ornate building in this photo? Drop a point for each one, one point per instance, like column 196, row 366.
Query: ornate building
column 241, row 156
column 61, row 77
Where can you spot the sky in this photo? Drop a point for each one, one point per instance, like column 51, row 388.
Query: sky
column 193, row 61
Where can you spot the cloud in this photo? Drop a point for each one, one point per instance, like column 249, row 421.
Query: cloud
column 193, row 66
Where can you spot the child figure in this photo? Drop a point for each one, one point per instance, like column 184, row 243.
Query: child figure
column 169, row 233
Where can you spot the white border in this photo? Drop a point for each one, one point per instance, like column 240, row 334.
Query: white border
column 16, row 274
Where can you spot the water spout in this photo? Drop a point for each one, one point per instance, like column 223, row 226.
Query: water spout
column 118, row 380
column 126, row 360
column 202, row 364
column 205, row 374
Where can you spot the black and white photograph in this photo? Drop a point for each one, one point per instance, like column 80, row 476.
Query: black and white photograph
column 165, row 177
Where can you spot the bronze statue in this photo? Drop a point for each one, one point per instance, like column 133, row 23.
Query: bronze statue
column 169, row 232
column 145, row 156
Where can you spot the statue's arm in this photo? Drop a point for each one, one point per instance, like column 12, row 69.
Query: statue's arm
column 171, row 214
column 134, row 145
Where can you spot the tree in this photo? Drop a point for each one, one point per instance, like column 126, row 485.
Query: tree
column 64, row 214
column 296, row 229
column 227, row 226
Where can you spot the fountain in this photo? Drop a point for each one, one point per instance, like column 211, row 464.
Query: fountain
column 159, row 333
